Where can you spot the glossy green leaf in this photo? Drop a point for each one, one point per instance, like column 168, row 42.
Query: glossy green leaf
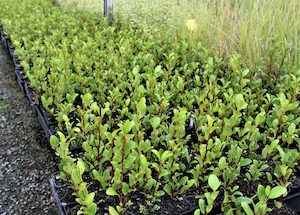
column 54, row 141
column 111, row 192
column 214, row 182
column 277, row 192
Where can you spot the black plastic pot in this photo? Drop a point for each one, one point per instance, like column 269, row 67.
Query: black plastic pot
column 21, row 73
column 10, row 49
column 49, row 122
column 19, row 80
column 43, row 123
column 60, row 205
column 29, row 95
column 16, row 61
column 4, row 39
column 292, row 200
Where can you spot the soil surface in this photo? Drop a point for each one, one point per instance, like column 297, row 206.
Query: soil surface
column 26, row 162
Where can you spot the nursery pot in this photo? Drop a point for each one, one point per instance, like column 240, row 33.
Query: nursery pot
column 29, row 95
column 19, row 80
column 43, row 122
column 59, row 204
column 292, row 200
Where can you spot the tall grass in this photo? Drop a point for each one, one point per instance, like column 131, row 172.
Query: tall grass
column 265, row 33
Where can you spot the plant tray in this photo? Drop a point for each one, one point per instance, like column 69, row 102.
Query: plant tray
column 49, row 121
column 29, row 95
column 20, row 81
column 54, row 188
column 41, row 118
column 293, row 199
column 67, row 204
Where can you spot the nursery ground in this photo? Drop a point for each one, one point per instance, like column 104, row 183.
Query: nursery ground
column 26, row 162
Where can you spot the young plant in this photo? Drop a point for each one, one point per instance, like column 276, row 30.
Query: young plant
column 206, row 205
column 123, row 163
column 264, row 194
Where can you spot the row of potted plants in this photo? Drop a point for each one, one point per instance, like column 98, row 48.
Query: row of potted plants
column 155, row 121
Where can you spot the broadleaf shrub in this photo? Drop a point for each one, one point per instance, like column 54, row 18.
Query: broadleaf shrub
column 154, row 117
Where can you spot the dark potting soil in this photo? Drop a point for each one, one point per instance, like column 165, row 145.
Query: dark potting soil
column 26, row 162
column 183, row 205
column 166, row 206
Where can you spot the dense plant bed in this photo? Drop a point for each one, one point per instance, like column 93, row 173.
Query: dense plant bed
column 155, row 120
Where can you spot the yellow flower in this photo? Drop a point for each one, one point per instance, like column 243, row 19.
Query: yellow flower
column 191, row 24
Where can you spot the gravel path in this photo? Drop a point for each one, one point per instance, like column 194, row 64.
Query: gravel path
column 26, row 162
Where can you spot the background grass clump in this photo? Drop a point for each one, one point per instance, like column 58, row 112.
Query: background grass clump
column 265, row 33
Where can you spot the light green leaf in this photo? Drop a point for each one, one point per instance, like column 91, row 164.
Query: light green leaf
column 54, row 142
column 277, row 192
column 141, row 107
column 210, row 120
column 92, row 209
column 190, row 183
column 131, row 180
column 165, row 156
column 87, row 99
column 156, row 153
column 81, row 166
column 168, row 190
column 128, row 125
column 71, row 97
column 260, row 118
column 245, row 73
column 222, row 163
column 111, row 192
column 247, row 208
column 158, row 71
column 143, row 161
column 89, row 198
column 155, row 122
column 201, row 203
column 129, row 161
column 245, row 161
column 95, row 107
column 136, row 70
column 75, row 176
column 145, row 145
column 240, row 102
column 125, row 188
column 292, row 128
column 261, row 193
column 213, row 182
column 112, row 211
column 197, row 212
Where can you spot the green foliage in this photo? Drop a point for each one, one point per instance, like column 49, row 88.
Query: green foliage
column 153, row 115
column 264, row 194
